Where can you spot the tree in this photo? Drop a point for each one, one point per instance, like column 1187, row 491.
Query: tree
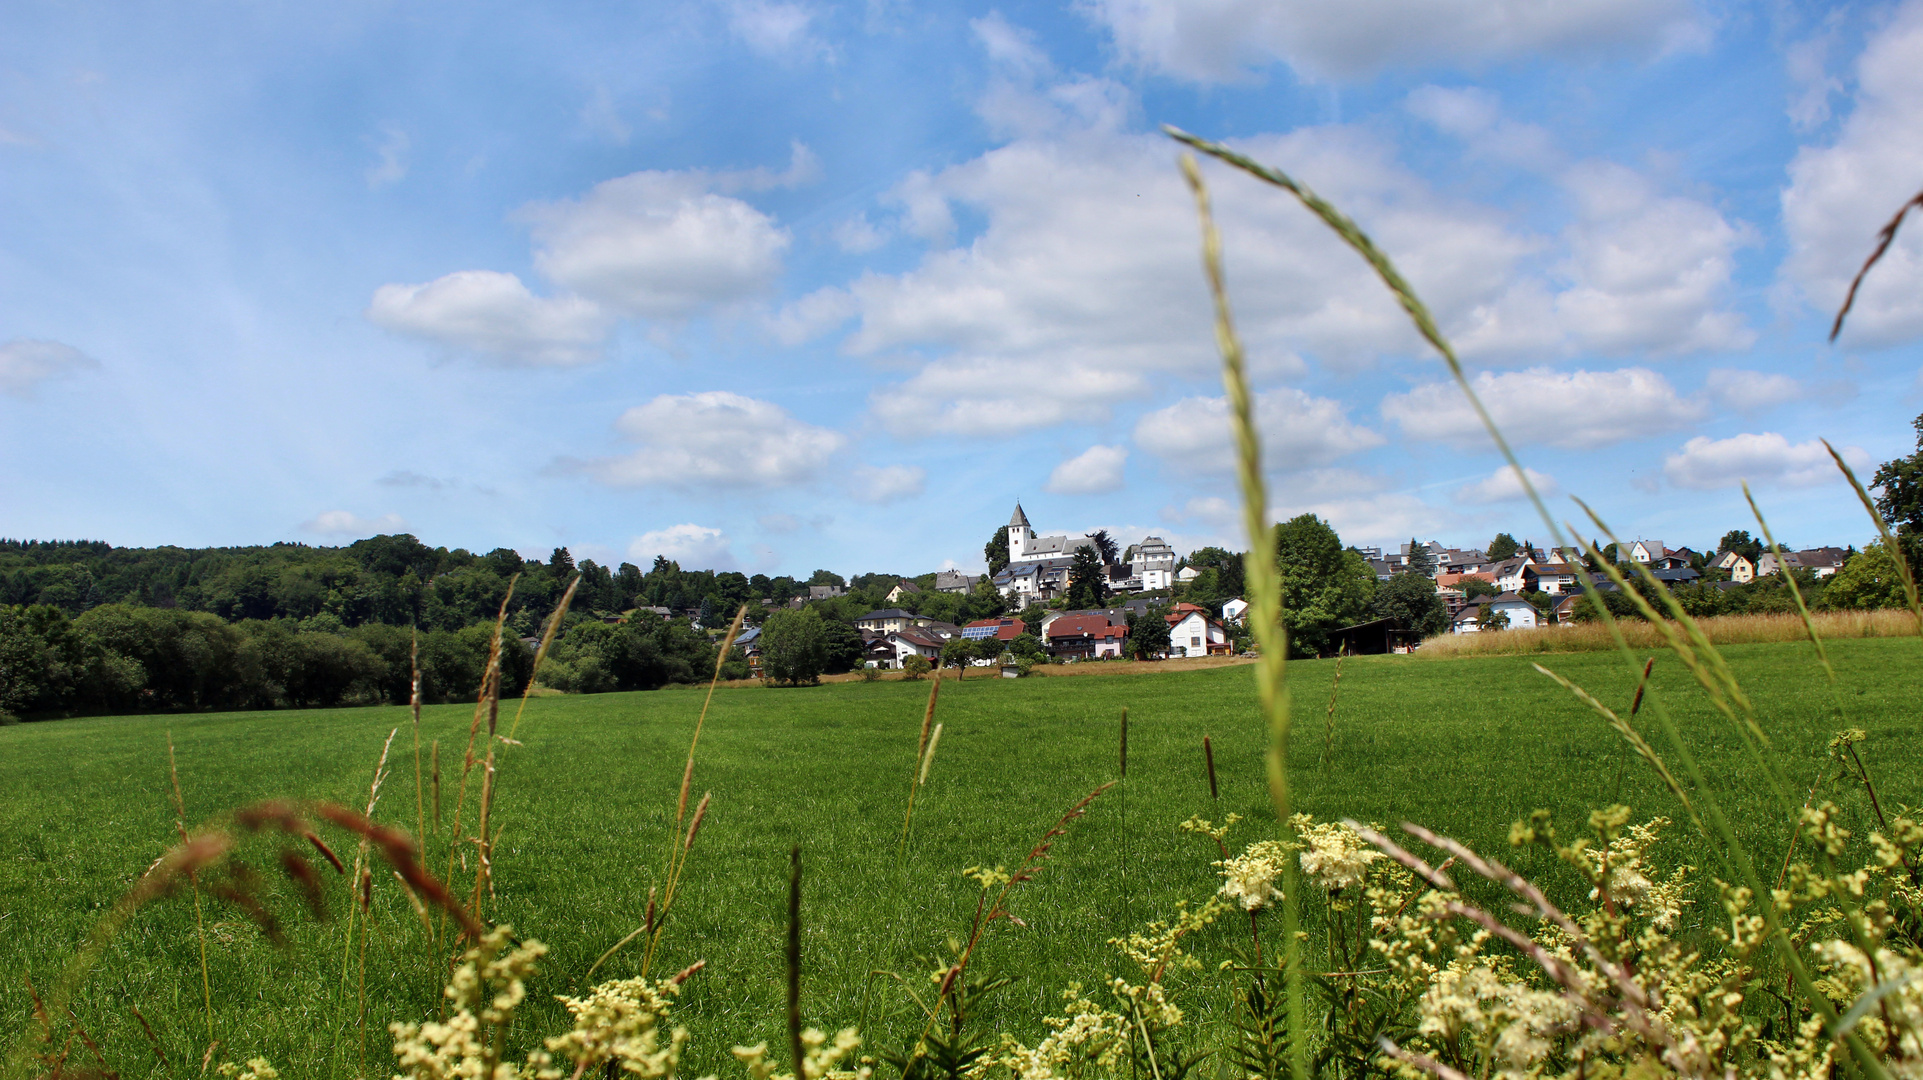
column 1087, row 581
column 827, row 577
column 794, row 647
column 1503, row 547
column 997, row 551
column 1105, row 547
column 957, row 652
column 1228, row 566
column 915, row 667
column 1473, row 587
column 1027, row 647
column 1148, row 633
column 1420, row 561
column 1901, row 499
column 1324, row 586
column 1412, row 600
column 1870, row 580
column 1740, row 542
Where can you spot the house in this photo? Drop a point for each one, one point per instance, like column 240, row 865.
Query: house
column 889, row 620
column 1460, row 561
column 949, row 581
column 901, row 589
column 876, row 650
column 1822, row 561
column 1643, row 551
column 1004, row 629
column 749, row 642
column 1522, row 614
column 1452, row 600
column 1677, row 559
column 825, row 592
column 926, row 641
column 1454, row 581
column 1186, row 575
column 1384, row 569
column 1741, row 570
column 1193, row 633
column 1674, row 576
column 1152, row 561
column 1565, row 610
column 1512, row 575
column 1557, row 577
column 1041, row 580
column 1234, row 610
column 1086, row 637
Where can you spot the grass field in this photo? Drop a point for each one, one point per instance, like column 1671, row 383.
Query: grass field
column 1463, row 745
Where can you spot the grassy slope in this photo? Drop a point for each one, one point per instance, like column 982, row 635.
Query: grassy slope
column 1466, row 746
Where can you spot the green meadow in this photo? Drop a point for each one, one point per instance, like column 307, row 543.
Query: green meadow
column 1464, row 745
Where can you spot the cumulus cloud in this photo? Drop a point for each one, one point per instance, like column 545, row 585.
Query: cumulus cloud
column 1504, row 486
column 348, row 523
column 663, row 245
column 26, row 363
column 883, row 484
column 1575, row 409
column 1840, row 194
column 695, row 547
column 1093, row 471
column 1221, row 40
column 494, row 316
column 1354, row 503
column 715, row 439
column 776, row 30
column 1086, row 270
column 1750, row 391
column 1298, row 432
column 1642, row 271
column 1705, row 463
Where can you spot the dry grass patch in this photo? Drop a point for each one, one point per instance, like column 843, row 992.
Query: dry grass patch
column 1722, row 629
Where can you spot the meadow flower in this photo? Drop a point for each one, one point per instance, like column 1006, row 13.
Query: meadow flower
column 1333, row 854
column 821, row 1054
column 1249, row 878
column 485, row 990
column 618, row 1023
column 255, row 1069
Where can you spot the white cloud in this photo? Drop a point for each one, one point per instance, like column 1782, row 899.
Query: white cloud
column 858, row 236
column 1807, row 64
column 495, row 316
column 1093, row 471
column 776, row 30
column 1642, row 272
column 26, row 363
column 1504, row 486
column 1354, row 503
column 716, row 439
column 1575, row 409
column 1219, row 40
column 887, row 483
column 348, row 523
column 392, row 168
column 1650, row 272
column 1087, row 270
column 1750, row 391
column 1704, row 463
column 695, row 547
column 1298, row 432
column 1840, row 195
column 663, row 245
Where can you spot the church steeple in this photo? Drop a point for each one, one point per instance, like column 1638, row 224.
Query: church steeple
column 1019, row 534
column 1020, row 518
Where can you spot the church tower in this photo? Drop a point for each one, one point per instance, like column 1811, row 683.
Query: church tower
column 1019, row 534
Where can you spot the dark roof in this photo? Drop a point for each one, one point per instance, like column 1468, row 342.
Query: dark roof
column 889, row 613
column 1680, row 574
column 1019, row 518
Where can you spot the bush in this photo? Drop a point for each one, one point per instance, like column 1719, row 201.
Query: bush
column 916, row 667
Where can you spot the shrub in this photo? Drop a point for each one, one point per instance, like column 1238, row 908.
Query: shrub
column 916, row 667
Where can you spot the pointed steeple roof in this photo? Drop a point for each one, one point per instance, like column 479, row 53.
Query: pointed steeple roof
column 1019, row 518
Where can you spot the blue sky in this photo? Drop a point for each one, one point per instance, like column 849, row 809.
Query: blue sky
column 778, row 285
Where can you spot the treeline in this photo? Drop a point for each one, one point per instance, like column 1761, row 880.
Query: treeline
column 119, row 658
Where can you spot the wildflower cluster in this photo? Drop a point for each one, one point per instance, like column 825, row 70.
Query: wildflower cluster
column 486, row 988
column 822, row 1056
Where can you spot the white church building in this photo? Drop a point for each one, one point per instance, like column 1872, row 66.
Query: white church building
column 1038, row 566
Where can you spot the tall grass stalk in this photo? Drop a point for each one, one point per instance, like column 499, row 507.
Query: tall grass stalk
column 193, row 883
column 486, row 704
column 794, row 962
column 915, row 777
column 1707, row 664
column 679, row 844
column 1328, row 725
column 1265, row 611
column 414, row 706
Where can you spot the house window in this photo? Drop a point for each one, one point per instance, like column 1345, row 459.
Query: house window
column 1195, row 643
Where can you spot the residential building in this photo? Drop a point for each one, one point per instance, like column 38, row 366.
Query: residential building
column 949, row 581
column 1233, row 610
column 902, row 588
column 1153, row 561
column 925, row 641
column 1384, row 569
column 1186, row 575
column 825, row 592
column 1193, row 633
column 1087, row 637
column 1005, row 629
column 1822, row 561
column 1522, row 614
column 1644, row 551
column 1030, row 581
column 1741, row 570
column 889, row 620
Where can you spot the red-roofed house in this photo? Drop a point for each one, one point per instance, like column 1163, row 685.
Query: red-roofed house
column 1192, row 633
column 1086, row 637
column 1004, row 629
